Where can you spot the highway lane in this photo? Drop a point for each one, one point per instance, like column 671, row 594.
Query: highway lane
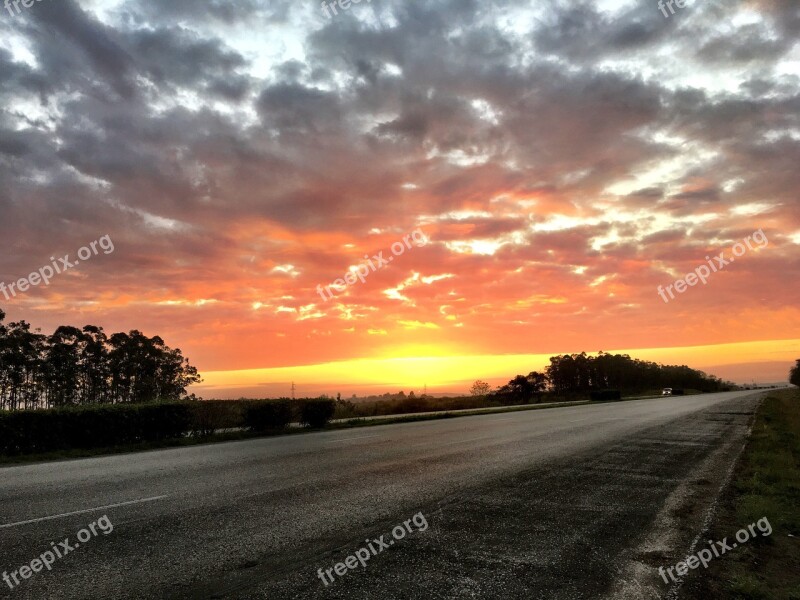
column 257, row 518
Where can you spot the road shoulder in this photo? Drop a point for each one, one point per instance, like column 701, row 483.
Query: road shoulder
column 766, row 484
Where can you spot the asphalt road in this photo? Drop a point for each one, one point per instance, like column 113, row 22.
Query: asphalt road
column 576, row 502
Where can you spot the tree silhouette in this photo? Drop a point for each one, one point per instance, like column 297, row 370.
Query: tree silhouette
column 480, row 388
column 84, row 366
column 523, row 387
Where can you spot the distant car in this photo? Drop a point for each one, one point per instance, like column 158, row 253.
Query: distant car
column 666, row 392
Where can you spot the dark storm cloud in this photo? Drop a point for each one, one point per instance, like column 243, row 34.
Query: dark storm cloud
column 223, row 11
column 750, row 44
column 548, row 122
column 580, row 31
column 292, row 108
column 20, row 78
column 71, row 42
column 180, row 57
column 649, row 193
column 708, row 194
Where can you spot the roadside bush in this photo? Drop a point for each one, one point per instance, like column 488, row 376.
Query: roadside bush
column 317, row 412
column 35, row 431
column 345, row 409
column 412, row 405
column 604, row 395
column 155, row 422
column 268, row 415
column 208, row 416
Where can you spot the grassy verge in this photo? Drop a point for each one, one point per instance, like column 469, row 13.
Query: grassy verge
column 766, row 484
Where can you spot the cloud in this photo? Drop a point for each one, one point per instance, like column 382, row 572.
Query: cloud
column 580, row 152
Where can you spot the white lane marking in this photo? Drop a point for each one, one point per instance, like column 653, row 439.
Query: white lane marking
column 80, row 512
column 581, row 420
column 363, row 437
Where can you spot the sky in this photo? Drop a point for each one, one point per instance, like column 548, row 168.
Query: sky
column 534, row 171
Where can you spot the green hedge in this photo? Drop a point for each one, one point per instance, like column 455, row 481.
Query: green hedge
column 209, row 416
column 34, row 431
column 316, row 413
column 606, row 395
column 101, row 426
column 268, row 415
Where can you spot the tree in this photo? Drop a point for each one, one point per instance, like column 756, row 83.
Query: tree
column 95, row 367
column 794, row 374
column 538, row 383
column 62, row 367
column 523, row 387
column 480, row 388
column 21, row 358
column 579, row 374
column 520, row 387
column 145, row 369
column 83, row 366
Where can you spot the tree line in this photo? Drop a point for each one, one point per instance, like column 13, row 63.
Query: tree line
column 85, row 366
column 578, row 374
